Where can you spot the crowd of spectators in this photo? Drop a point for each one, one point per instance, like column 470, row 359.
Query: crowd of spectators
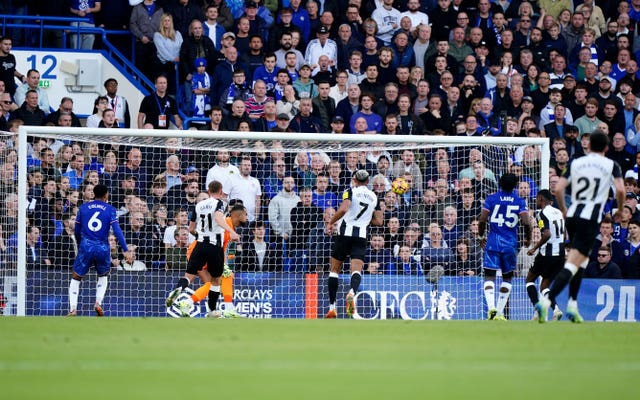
column 514, row 68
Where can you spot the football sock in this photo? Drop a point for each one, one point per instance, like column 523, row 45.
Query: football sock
column 562, row 279
column 545, row 293
column 356, row 278
column 201, row 292
column 182, row 283
column 227, row 289
column 101, row 288
column 503, row 296
column 214, row 294
column 489, row 294
column 74, row 291
column 574, row 285
column 532, row 291
column 333, row 287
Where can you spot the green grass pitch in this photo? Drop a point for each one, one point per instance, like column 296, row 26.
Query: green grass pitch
column 128, row 358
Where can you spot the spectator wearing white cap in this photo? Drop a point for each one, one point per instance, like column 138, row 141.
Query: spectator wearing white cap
column 321, row 46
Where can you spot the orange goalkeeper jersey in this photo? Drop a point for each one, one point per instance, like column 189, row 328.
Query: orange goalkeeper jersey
column 227, row 236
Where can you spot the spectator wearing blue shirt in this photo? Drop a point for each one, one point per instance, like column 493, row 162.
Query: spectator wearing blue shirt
column 132, row 168
column 435, row 251
column 84, row 9
column 376, row 252
column 212, row 29
column 300, row 19
column 321, row 197
column 451, row 230
column 268, row 73
column 224, row 71
column 374, row 121
column 76, row 174
column 406, row 264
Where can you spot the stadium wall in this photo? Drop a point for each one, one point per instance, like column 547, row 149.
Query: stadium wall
column 59, row 78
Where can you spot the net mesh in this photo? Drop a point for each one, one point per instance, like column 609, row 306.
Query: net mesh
column 425, row 262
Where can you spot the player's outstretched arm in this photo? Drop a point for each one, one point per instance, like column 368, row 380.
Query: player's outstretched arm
column 378, row 218
column 77, row 229
column 344, row 207
column 192, row 228
column 482, row 226
column 546, row 234
column 618, row 183
column 218, row 216
column 561, row 188
column 525, row 220
column 118, row 232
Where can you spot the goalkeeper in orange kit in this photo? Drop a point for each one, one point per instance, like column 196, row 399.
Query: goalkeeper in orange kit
column 237, row 216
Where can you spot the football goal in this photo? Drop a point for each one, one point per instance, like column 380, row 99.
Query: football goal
column 424, row 263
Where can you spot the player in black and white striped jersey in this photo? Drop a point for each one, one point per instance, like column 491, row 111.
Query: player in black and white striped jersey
column 550, row 258
column 208, row 225
column 358, row 210
column 590, row 178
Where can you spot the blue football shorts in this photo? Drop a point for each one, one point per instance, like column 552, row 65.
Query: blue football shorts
column 504, row 261
column 92, row 253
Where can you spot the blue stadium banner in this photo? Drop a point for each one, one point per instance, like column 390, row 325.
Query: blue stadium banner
column 288, row 295
column 609, row 300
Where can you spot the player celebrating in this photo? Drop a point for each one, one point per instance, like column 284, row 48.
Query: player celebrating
column 550, row 258
column 501, row 210
column 590, row 178
column 208, row 225
column 91, row 231
column 359, row 208
column 237, row 216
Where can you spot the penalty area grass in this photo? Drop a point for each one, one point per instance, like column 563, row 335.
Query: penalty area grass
column 165, row 358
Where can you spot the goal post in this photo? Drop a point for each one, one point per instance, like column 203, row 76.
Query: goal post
column 285, row 275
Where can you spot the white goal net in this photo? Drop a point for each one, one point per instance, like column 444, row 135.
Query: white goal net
column 424, row 263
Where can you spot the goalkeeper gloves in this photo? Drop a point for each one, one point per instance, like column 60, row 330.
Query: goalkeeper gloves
column 227, row 272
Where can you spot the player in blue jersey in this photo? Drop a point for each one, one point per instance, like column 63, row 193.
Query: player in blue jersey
column 501, row 211
column 93, row 223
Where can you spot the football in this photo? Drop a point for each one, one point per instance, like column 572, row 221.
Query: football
column 399, row 186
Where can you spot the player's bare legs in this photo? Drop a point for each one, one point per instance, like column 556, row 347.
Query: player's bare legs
column 334, row 271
